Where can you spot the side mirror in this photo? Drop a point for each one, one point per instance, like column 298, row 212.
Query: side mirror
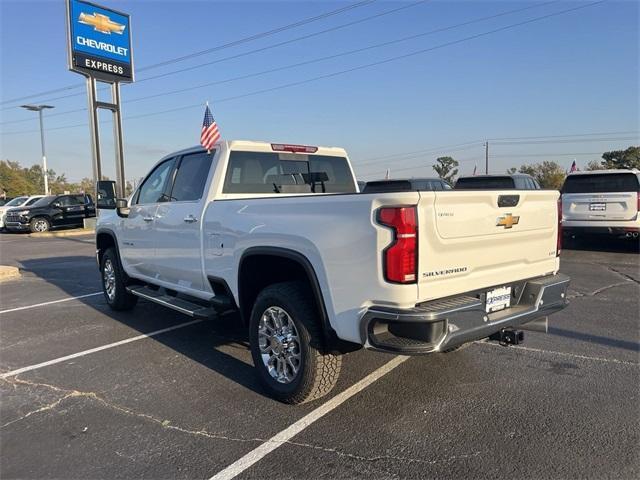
column 56, row 204
column 106, row 194
column 122, row 207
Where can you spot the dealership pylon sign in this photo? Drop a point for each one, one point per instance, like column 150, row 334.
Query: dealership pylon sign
column 99, row 47
column 99, row 41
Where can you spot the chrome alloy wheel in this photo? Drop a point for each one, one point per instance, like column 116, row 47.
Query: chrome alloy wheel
column 40, row 226
column 109, row 279
column 279, row 345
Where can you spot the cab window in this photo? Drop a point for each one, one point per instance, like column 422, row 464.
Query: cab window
column 154, row 186
column 191, row 177
column 70, row 201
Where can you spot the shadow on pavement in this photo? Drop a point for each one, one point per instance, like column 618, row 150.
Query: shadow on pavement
column 601, row 243
column 201, row 345
column 586, row 337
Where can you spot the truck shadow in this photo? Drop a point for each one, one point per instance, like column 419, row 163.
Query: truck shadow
column 602, row 244
column 220, row 344
column 598, row 339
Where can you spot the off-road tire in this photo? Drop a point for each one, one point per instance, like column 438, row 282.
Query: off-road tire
column 319, row 370
column 39, row 221
column 121, row 299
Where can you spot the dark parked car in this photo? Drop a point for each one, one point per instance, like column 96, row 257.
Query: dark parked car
column 406, row 185
column 518, row 181
column 52, row 211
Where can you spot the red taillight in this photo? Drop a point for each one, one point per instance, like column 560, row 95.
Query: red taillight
column 400, row 259
column 280, row 147
column 638, row 208
column 559, row 241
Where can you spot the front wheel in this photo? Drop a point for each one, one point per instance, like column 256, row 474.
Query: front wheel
column 39, row 225
column 114, row 284
column 286, row 345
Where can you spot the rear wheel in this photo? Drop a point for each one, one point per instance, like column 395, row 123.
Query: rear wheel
column 114, row 282
column 39, row 225
column 286, row 345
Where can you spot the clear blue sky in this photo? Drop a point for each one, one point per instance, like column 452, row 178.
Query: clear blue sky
column 568, row 74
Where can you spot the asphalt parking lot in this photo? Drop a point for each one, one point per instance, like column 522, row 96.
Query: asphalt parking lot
column 88, row 393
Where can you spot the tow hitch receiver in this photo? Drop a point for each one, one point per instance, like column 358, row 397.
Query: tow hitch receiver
column 508, row 337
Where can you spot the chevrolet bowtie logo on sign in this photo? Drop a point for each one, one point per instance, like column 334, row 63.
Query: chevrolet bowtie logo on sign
column 508, row 221
column 99, row 41
column 101, row 23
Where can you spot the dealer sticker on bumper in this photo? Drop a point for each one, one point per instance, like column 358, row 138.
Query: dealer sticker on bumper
column 498, row 299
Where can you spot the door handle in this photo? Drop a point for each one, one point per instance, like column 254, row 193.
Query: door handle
column 190, row 219
column 147, row 219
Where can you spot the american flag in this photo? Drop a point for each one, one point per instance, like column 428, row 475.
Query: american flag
column 210, row 133
column 574, row 167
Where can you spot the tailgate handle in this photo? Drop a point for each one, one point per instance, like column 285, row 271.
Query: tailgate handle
column 508, row 200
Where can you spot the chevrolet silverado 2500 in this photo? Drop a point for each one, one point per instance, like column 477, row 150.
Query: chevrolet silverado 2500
column 280, row 234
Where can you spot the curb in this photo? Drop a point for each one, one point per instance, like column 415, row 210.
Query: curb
column 67, row 233
column 7, row 273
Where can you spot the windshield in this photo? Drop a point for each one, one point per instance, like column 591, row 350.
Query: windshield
column 484, row 183
column 265, row 172
column 601, row 182
column 44, row 201
column 16, row 202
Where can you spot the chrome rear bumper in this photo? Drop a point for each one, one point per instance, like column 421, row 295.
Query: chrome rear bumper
column 440, row 325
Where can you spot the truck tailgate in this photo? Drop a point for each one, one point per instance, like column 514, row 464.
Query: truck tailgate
column 468, row 242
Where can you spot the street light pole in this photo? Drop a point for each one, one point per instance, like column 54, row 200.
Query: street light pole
column 39, row 109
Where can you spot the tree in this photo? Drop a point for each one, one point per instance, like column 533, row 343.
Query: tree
column 593, row 165
column 629, row 158
column 511, row 171
column 548, row 174
column 446, row 168
column 86, row 186
column 17, row 180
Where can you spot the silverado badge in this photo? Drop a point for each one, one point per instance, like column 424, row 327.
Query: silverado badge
column 508, row 221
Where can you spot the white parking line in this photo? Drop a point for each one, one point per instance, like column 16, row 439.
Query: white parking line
column 563, row 354
column 50, row 303
column 288, row 433
column 13, row 373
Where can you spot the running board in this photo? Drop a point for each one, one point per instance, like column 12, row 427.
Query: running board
column 179, row 304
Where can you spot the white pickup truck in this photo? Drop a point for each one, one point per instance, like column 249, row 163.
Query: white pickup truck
column 280, row 234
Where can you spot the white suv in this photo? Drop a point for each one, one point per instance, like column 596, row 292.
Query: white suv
column 22, row 201
column 602, row 202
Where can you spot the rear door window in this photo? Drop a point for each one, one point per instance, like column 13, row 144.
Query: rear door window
column 191, row 177
column 601, row 183
column 266, row 172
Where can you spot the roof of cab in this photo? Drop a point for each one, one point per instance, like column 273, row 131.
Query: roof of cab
column 260, row 146
column 495, row 175
column 613, row 170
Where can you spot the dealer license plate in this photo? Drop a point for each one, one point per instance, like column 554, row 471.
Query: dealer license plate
column 498, row 299
column 597, row 207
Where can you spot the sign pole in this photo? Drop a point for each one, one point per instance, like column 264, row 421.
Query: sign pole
column 117, row 135
column 94, row 129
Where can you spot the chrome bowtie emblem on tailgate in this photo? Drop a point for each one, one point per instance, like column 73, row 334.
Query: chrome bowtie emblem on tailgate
column 508, row 221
